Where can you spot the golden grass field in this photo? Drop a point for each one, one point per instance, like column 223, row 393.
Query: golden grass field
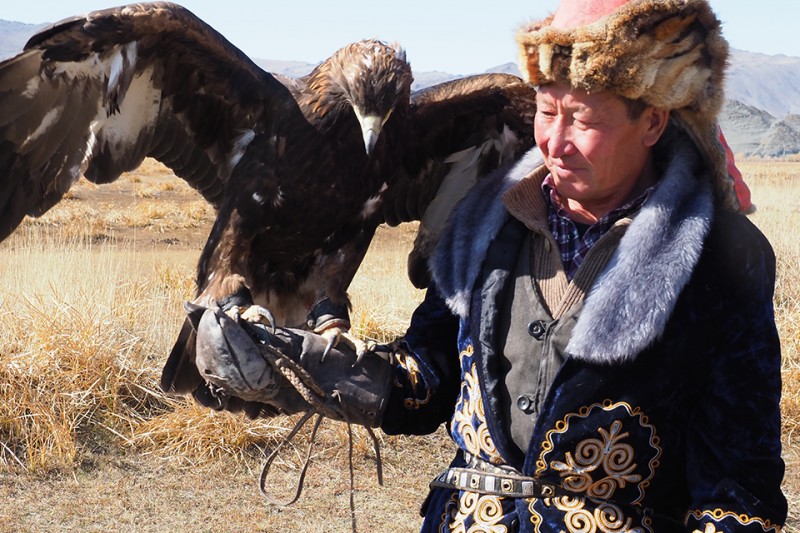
column 90, row 303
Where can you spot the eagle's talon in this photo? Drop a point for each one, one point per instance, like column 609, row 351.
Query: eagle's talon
column 255, row 314
column 335, row 335
column 333, row 340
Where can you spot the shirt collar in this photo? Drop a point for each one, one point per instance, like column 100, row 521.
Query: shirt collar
column 554, row 203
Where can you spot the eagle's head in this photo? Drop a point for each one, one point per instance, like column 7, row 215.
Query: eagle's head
column 375, row 80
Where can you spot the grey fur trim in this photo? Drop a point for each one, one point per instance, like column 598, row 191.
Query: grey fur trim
column 457, row 259
column 630, row 303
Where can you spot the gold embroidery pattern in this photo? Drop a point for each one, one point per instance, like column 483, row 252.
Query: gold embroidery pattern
column 610, row 453
column 598, row 467
column 469, row 420
column 604, row 518
column 601, row 518
column 484, row 513
column 718, row 515
column 417, row 383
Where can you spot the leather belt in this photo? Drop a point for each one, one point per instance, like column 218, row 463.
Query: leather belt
column 487, row 479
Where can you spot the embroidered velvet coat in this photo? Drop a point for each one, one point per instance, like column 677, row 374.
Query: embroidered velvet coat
column 664, row 416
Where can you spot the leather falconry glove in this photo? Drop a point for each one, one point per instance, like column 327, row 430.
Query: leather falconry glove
column 284, row 367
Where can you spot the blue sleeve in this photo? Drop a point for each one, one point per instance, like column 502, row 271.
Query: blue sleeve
column 734, row 438
column 427, row 371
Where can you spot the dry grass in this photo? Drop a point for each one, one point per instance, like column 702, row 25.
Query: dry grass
column 383, row 298
column 76, row 365
column 776, row 193
column 145, row 206
column 89, row 307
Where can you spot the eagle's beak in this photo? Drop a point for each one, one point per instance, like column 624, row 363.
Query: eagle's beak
column 370, row 129
column 371, row 126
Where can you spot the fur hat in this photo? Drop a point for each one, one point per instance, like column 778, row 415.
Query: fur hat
column 666, row 53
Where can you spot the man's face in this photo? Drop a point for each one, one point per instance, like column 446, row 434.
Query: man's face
column 595, row 152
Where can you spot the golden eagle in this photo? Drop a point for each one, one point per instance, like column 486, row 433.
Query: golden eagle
column 300, row 171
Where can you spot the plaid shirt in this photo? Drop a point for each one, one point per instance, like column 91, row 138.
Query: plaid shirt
column 572, row 245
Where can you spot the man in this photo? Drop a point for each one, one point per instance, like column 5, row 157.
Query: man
column 600, row 336
column 619, row 366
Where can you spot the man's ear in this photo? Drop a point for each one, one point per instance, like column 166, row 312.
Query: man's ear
column 655, row 122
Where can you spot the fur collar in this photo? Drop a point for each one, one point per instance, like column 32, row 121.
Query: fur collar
column 632, row 299
column 456, row 262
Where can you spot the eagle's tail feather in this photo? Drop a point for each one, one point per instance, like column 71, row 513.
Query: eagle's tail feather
column 180, row 375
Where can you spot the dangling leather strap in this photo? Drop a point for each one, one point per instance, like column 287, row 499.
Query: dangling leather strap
column 265, row 470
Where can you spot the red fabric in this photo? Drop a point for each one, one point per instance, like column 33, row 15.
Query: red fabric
column 575, row 13
column 741, row 188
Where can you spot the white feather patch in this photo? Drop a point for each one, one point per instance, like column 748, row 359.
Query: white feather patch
column 115, row 65
column 138, row 112
column 373, row 203
column 239, row 146
column 88, row 150
column 123, row 59
column 32, row 87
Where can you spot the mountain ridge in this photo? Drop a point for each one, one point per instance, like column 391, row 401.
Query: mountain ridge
column 761, row 115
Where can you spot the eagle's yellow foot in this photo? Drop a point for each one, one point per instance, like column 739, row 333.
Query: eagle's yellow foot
column 255, row 314
column 336, row 335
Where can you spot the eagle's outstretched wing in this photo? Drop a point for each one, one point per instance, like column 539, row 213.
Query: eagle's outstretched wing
column 462, row 131
column 298, row 184
column 95, row 95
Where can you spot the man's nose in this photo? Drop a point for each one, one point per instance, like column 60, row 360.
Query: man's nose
column 559, row 139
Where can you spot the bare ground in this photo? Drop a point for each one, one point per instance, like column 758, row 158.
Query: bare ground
column 144, row 493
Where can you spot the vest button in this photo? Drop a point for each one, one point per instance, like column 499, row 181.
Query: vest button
column 536, row 329
column 525, row 404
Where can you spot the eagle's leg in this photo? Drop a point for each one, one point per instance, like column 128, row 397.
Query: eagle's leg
column 238, row 305
column 332, row 322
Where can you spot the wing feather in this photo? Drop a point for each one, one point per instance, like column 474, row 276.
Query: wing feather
column 95, row 95
column 462, row 131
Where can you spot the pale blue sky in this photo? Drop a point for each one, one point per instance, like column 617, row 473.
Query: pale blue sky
column 460, row 37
